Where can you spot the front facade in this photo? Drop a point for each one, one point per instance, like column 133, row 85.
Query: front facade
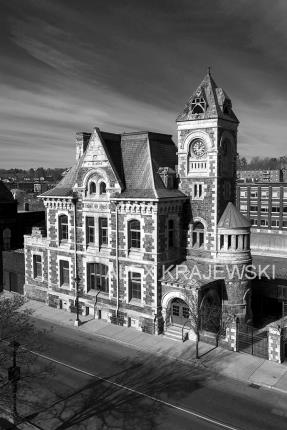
column 134, row 205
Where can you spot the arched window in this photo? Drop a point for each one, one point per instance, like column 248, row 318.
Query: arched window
column 92, row 189
column 7, row 239
column 98, row 277
column 134, row 234
column 63, row 228
column 103, row 188
column 198, row 105
column 198, row 235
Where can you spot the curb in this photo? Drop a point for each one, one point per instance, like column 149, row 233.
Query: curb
column 194, row 362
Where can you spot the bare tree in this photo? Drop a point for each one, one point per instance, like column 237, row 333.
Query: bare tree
column 18, row 363
column 205, row 313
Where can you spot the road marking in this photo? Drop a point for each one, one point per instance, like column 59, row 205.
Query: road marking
column 132, row 390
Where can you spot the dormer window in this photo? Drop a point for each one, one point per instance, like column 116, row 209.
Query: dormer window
column 103, row 188
column 93, row 188
column 198, row 105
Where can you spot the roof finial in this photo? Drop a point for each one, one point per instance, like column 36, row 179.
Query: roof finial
column 209, row 70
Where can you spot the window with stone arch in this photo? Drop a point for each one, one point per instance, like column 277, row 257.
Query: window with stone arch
column 92, row 188
column 103, row 188
column 198, row 235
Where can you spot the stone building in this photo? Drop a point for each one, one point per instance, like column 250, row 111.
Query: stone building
column 13, row 226
column 133, row 209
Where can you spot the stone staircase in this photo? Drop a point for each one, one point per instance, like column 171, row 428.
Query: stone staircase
column 174, row 332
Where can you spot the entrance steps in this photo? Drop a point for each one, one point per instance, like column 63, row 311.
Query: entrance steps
column 174, row 332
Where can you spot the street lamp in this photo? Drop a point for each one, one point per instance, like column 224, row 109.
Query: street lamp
column 77, row 320
column 14, row 376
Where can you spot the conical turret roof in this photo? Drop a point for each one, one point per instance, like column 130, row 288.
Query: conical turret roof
column 232, row 218
column 214, row 100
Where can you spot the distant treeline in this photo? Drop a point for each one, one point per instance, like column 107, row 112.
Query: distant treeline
column 262, row 163
column 40, row 172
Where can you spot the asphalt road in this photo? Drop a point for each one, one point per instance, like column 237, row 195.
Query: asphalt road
column 100, row 384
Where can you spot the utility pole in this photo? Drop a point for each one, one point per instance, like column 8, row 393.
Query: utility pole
column 77, row 278
column 77, row 320
column 13, row 377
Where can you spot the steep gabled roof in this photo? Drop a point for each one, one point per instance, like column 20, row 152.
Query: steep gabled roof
column 5, row 194
column 217, row 103
column 135, row 159
column 232, row 218
column 143, row 153
column 65, row 187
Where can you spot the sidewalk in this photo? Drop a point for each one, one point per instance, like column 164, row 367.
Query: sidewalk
column 240, row 366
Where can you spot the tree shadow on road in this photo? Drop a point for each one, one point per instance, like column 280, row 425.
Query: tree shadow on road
column 125, row 400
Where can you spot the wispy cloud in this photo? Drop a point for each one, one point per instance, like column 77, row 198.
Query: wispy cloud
column 132, row 65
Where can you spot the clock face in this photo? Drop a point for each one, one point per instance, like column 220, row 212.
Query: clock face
column 199, row 148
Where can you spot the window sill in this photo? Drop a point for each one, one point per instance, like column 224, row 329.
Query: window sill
column 136, row 302
column 97, row 292
column 65, row 286
column 64, row 243
column 136, row 253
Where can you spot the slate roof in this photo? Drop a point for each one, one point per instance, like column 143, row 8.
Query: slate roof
column 136, row 158
column 5, row 194
column 216, row 100
column 65, row 187
column 232, row 218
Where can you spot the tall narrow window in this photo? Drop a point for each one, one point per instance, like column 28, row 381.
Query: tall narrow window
column 37, row 266
column 103, row 188
column 90, row 230
column 97, row 277
column 92, row 189
column 134, row 234
column 63, row 228
column 6, row 239
column 229, row 241
column 64, row 273
column 170, row 233
column 134, row 286
column 103, row 231
column 221, row 241
column 198, row 235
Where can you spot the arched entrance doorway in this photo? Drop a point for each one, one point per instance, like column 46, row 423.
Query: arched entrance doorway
column 210, row 312
column 179, row 311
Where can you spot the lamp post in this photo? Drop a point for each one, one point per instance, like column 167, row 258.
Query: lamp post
column 13, row 377
column 77, row 290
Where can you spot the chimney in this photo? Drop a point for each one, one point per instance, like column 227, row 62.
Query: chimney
column 82, row 140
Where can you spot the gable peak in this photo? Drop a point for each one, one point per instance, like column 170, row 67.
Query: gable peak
column 208, row 101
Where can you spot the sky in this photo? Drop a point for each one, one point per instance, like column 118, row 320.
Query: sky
column 126, row 65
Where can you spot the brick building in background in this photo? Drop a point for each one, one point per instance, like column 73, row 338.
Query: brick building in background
column 136, row 202
column 13, row 226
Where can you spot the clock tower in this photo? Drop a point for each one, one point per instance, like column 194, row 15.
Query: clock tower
column 207, row 149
